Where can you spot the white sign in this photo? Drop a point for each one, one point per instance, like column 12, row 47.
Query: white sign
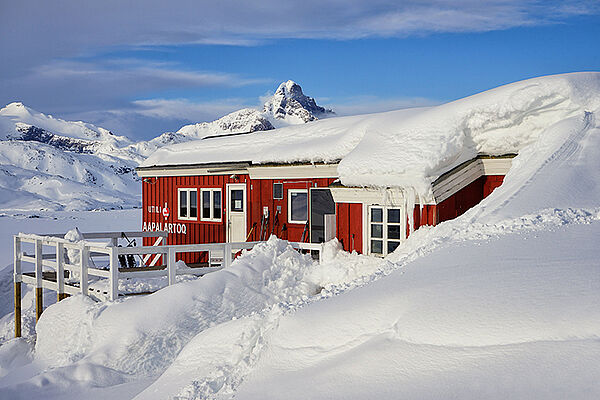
column 164, row 210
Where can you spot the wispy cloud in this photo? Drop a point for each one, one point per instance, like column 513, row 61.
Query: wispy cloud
column 185, row 109
column 112, row 83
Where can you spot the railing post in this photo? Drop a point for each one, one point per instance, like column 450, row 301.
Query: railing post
column 320, row 252
column 113, row 280
column 83, row 262
column 17, row 279
column 226, row 255
column 39, row 302
column 60, row 270
column 171, row 268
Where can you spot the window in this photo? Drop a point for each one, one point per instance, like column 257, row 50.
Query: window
column 278, row 191
column 297, row 206
column 385, row 229
column 211, row 204
column 188, row 204
column 237, row 200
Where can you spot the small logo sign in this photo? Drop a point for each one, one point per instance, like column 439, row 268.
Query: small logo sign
column 165, row 211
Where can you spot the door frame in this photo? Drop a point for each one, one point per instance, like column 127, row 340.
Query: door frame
column 235, row 186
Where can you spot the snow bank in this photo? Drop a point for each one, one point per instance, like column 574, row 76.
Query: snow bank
column 512, row 317
column 121, row 335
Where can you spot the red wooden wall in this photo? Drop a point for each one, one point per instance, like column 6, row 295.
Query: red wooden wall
column 490, row 183
column 259, row 193
column 349, row 225
column 158, row 191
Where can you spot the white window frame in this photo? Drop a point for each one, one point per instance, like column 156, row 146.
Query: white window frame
column 188, row 196
column 385, row 239
column 289, row 203
column 212, row 218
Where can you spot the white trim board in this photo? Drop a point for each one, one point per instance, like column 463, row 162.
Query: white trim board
column 293, row 171
column 156, row 173
column 469, row 173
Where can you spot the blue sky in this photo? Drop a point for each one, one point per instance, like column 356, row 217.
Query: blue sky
column 140, row 71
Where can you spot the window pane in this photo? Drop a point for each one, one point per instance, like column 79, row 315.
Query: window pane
column 376, row 214
column 392, row 246
column 237, row 200
column 193, row 204
column 217, row 204
column 278, row 190
column 299, row 202
column 394, row 215
column 205, row 204
column 376, row 230
column 183, row 203
column 393, row 232
column 377, row 246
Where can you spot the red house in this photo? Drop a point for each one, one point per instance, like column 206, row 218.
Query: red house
column 236, row 188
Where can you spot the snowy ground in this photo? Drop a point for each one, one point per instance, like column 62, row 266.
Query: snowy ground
column 503, row 302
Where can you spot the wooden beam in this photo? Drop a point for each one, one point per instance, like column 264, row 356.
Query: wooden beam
column 39, row 298
column 60, row 270
column 39, row 303
column 17, row 279
column 17, row 309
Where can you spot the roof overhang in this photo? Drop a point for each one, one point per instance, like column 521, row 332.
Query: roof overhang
column 255, row 171
column 193, row 169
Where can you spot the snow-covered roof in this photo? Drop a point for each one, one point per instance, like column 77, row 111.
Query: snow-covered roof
column 408, row 147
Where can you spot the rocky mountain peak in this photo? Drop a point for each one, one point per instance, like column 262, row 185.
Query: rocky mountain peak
column 290, row 104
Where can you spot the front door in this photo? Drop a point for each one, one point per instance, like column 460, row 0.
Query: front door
column 236, row 213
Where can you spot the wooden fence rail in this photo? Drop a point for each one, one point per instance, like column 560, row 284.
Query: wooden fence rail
column 58, row 263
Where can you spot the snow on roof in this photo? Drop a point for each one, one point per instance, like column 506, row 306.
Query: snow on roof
column 327, row 140
column 408, row 147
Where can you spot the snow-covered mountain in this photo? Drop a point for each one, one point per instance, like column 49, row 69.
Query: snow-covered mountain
column 288, row 106
column 47, row 163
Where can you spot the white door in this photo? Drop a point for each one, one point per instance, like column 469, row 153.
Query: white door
column 236, row 212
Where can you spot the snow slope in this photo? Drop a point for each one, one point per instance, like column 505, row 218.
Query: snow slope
column 49, row 164
column 502, row 302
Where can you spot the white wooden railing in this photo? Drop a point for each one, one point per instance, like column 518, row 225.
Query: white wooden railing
column 58, row 263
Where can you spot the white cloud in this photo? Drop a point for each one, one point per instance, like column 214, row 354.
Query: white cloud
column 67, row 28
column 184, row 109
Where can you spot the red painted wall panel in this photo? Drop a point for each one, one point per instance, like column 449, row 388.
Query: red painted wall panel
column 490, row 183
column 349, row 226
column 259, row 193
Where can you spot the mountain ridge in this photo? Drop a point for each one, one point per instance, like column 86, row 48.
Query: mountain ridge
column 88, row 167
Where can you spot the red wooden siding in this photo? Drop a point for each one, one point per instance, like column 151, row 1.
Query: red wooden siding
column 158, row 191
column 259, row 193
column 349, row 225
column 490, row 183
column 466, row 198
